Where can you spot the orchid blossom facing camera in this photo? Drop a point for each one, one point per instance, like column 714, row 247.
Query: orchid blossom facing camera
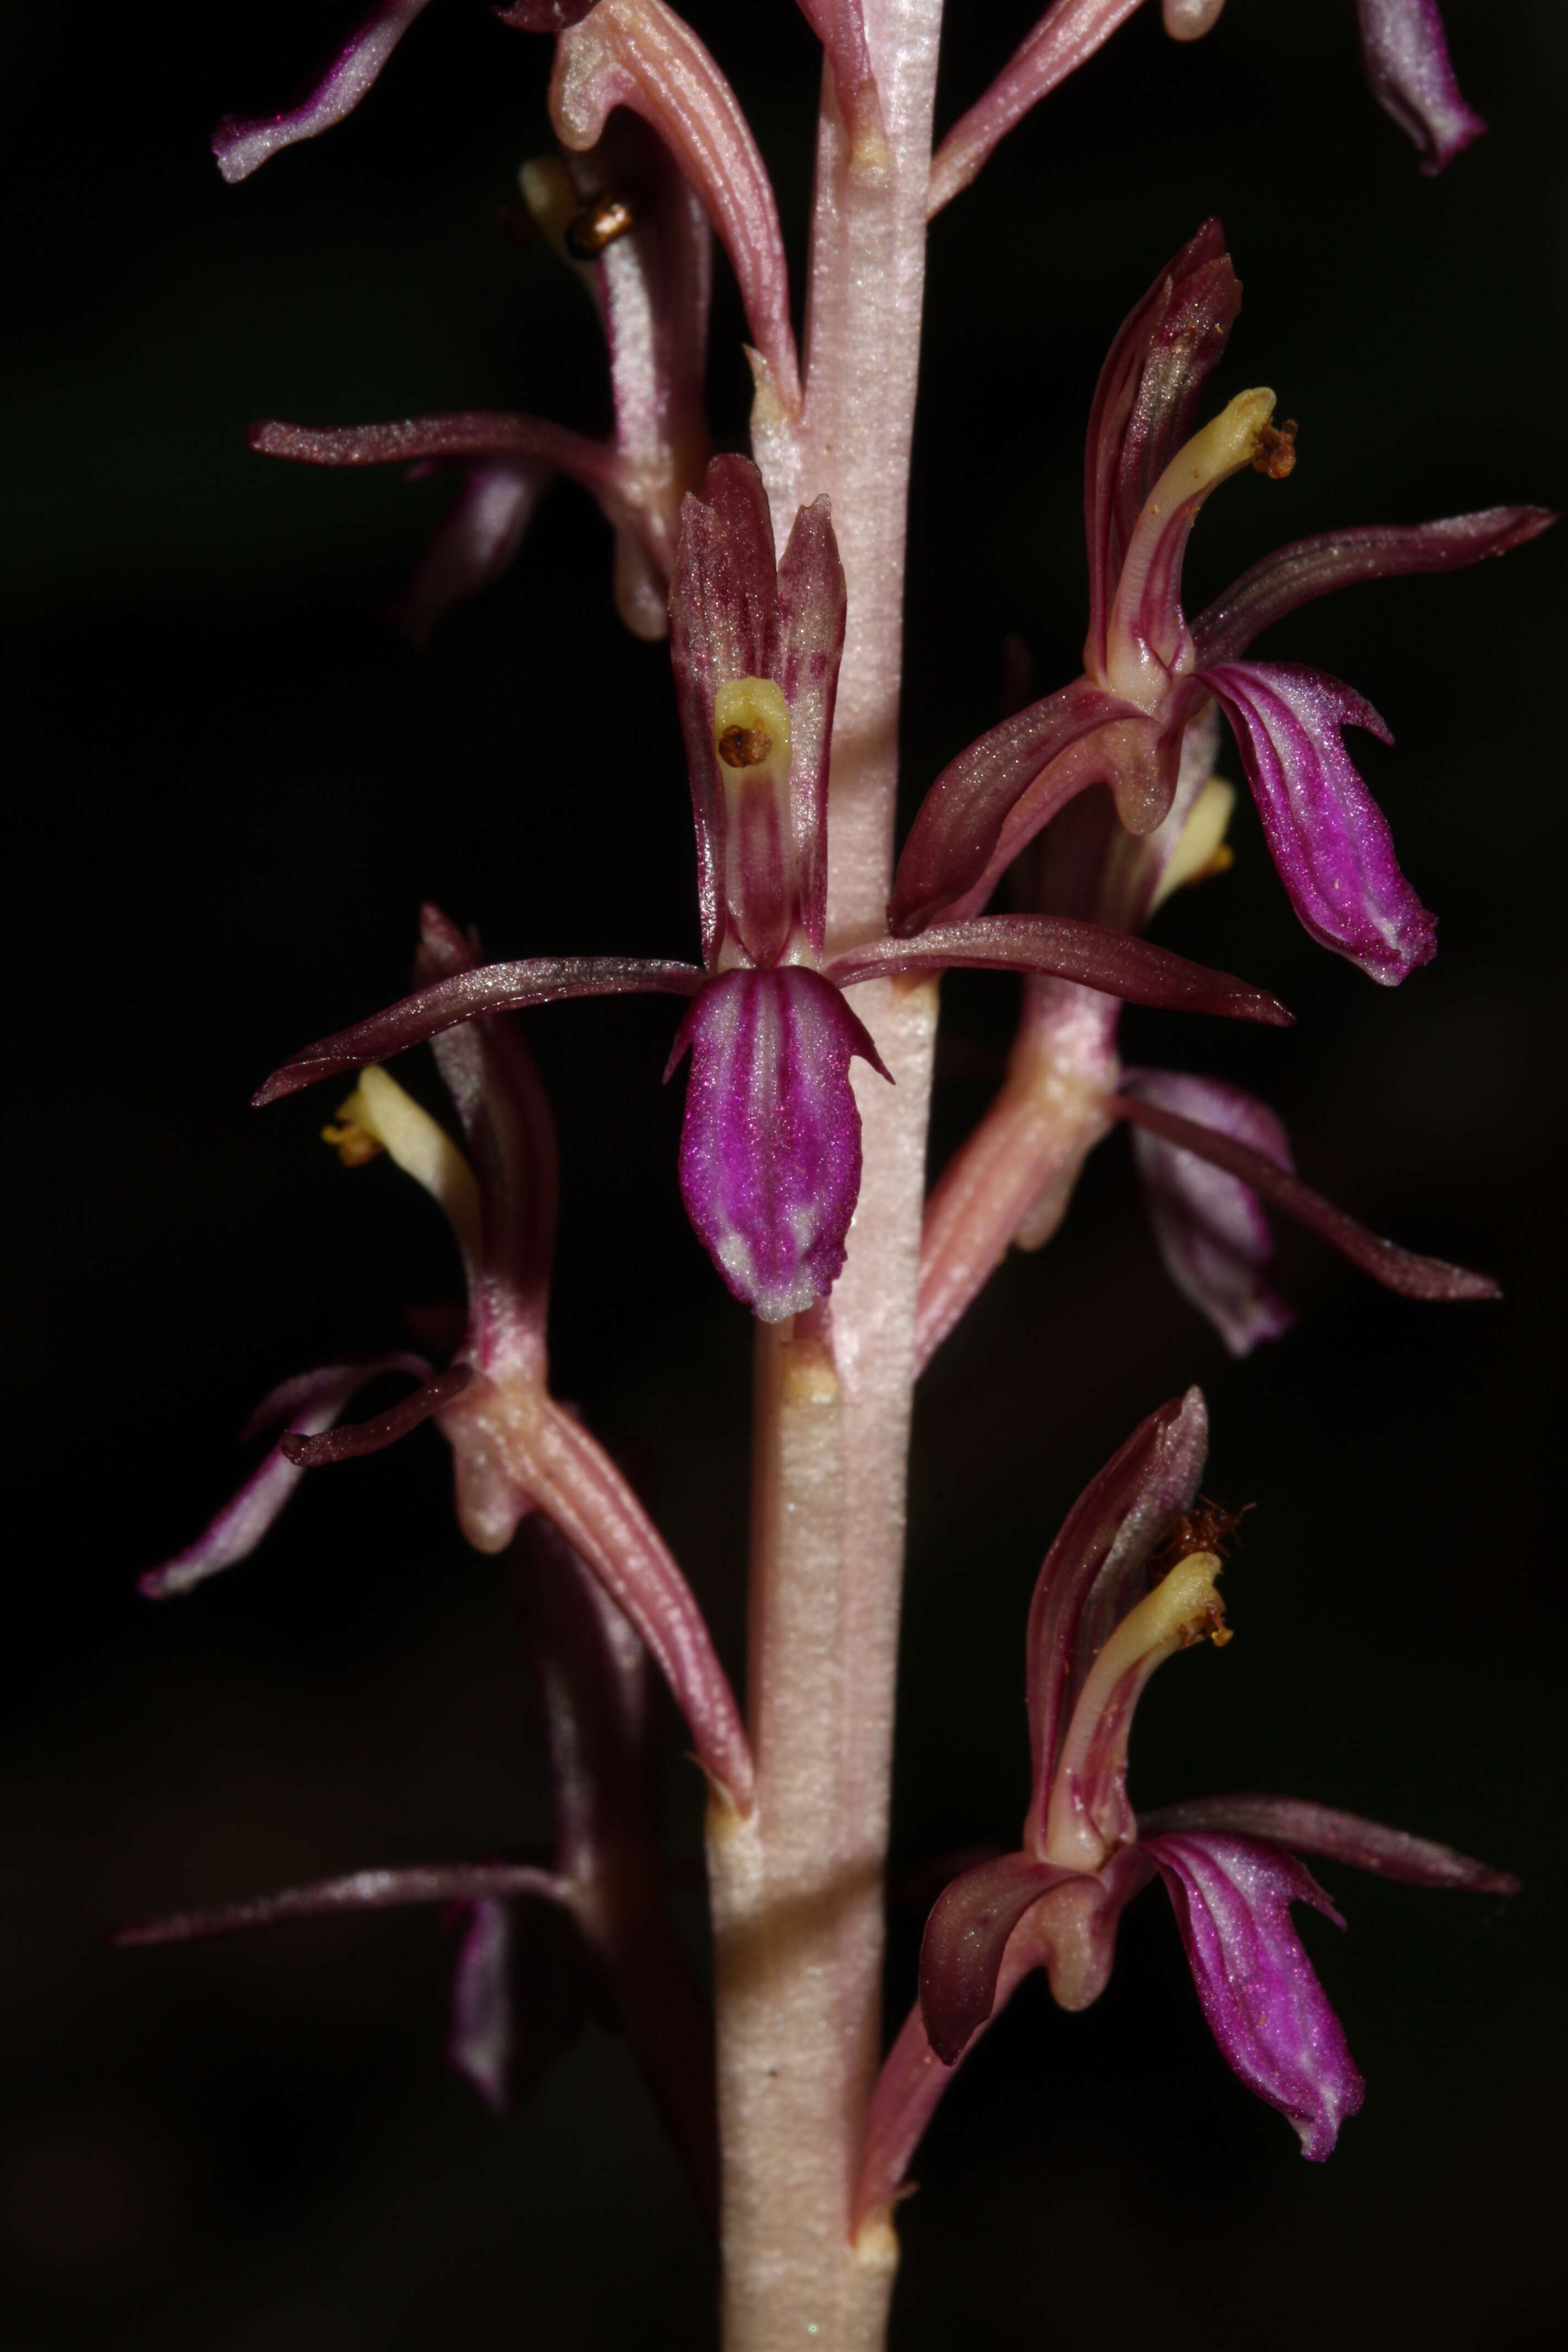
column 806, row 1033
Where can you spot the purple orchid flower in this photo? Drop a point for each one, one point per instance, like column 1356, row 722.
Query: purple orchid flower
column 770, row 1160
column 1130, row 1579
column 1148, row 673
column 1404, row 50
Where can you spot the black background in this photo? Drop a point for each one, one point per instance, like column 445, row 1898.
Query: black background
column 228, row 787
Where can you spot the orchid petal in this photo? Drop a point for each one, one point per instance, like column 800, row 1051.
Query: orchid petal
column 1402, row 1270
column 467, row 435
column 243, row 144
column 1407, row 60
column 473, row 545
column 521, row 1994
column 770, row 1150
column 1089, row 953
column 492, row 988
column 965, row 1937
column 1304, row 1828
column 639, row 54
column 1292, row 576
column 1327, row 836
column 1097, row 1570
column 490, row 1073
column 991, row 799
column 1209, row 1226
column 1066, row 37
column 363, row 1890
column 374, row 1436
column 309, row 1403
column 1144, row 404
column 483, row 2030
column 1264, row 2005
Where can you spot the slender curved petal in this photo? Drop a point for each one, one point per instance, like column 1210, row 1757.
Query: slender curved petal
column 484, row 435
column 1327, row 836
column 1404, row 1270
column 308, row 1404
column 362, row 1890
column 473, row 544
column 1337, row 1837
column 770, row 1150
column 1265, row 2007
column 243, row 144
column 639, row 54
column 1294, row 575
column 1089, row 953
column 1407, row 60
column 1210, row 1226
column 965, row 1937
column 1066, row 37
column 492, row 988
column 374, row 1436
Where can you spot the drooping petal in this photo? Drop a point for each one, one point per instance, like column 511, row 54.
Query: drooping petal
column 1145, row 400
column 466, row 436
column 1265, row 2007
column 1304, row 1828
column 362, row 1890
column 639, row 54
column 1404, row 1270
column 479, row 2044
column 308, row 1404
column 1210, row 1226
column 473, row 545
column 1327, row 836
column 243, row 144
column 1097, row 1569
column 1089, row 953
column 770, row 1150
column 1406, row 59
column 1294, row 575
column 374, row 1436
column 521, row 1994
column 490, row 1074
column 490, row 988
column 1067, row 36
column 965, row 1937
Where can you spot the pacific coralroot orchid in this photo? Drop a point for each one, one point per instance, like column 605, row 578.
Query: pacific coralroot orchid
column 770, row 1159
column 1131, row 1580
column 1148, row 673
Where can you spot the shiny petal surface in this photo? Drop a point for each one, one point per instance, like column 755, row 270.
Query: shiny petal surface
column 1335, row 1837
column 243, row 144
column 307, row 1404
column 770, row 1151
column 1292, row 576
column 466, row 434
column 1097, row 1570
column 1264, row 2005
column 1328, row 837
column 1210, row 1226
column 1065, row 38
column 965, row 1937
column 1406, row 57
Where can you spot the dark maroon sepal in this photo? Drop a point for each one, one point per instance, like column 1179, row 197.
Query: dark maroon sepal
column 1334, row 1836
column 347, row 1443
column 965, row 1936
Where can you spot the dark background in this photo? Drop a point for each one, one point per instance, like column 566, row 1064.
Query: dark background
column 230, row 786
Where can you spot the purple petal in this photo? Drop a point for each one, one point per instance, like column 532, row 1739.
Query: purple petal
column 1337, row 1837
column 473, row 545
column 1294, row 575
column 363, row 1890
column 1145, row 403
column 1210, row 1226
column 1087, row 864
column 965, row 1937
column 510, row 1135
column 521, row 1994
column 492, row 988
column 1064, row 948
column 990, row 802
column 812, row 605
column 309, row 1403
column 1407, row 60
column 770, row 1151
column 1264, row 2005
column 483, row 2030
column 1326, row 834
column 374, row 1436
column 243, row 144
column 1404, row 1270
column 1066, row 37
column 463, row 436
column 1097, row 1567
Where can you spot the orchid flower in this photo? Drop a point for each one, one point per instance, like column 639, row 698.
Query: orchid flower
column 769, row 1155
column 1404, row 51
column 1130, row 1580
column 1148, row 673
